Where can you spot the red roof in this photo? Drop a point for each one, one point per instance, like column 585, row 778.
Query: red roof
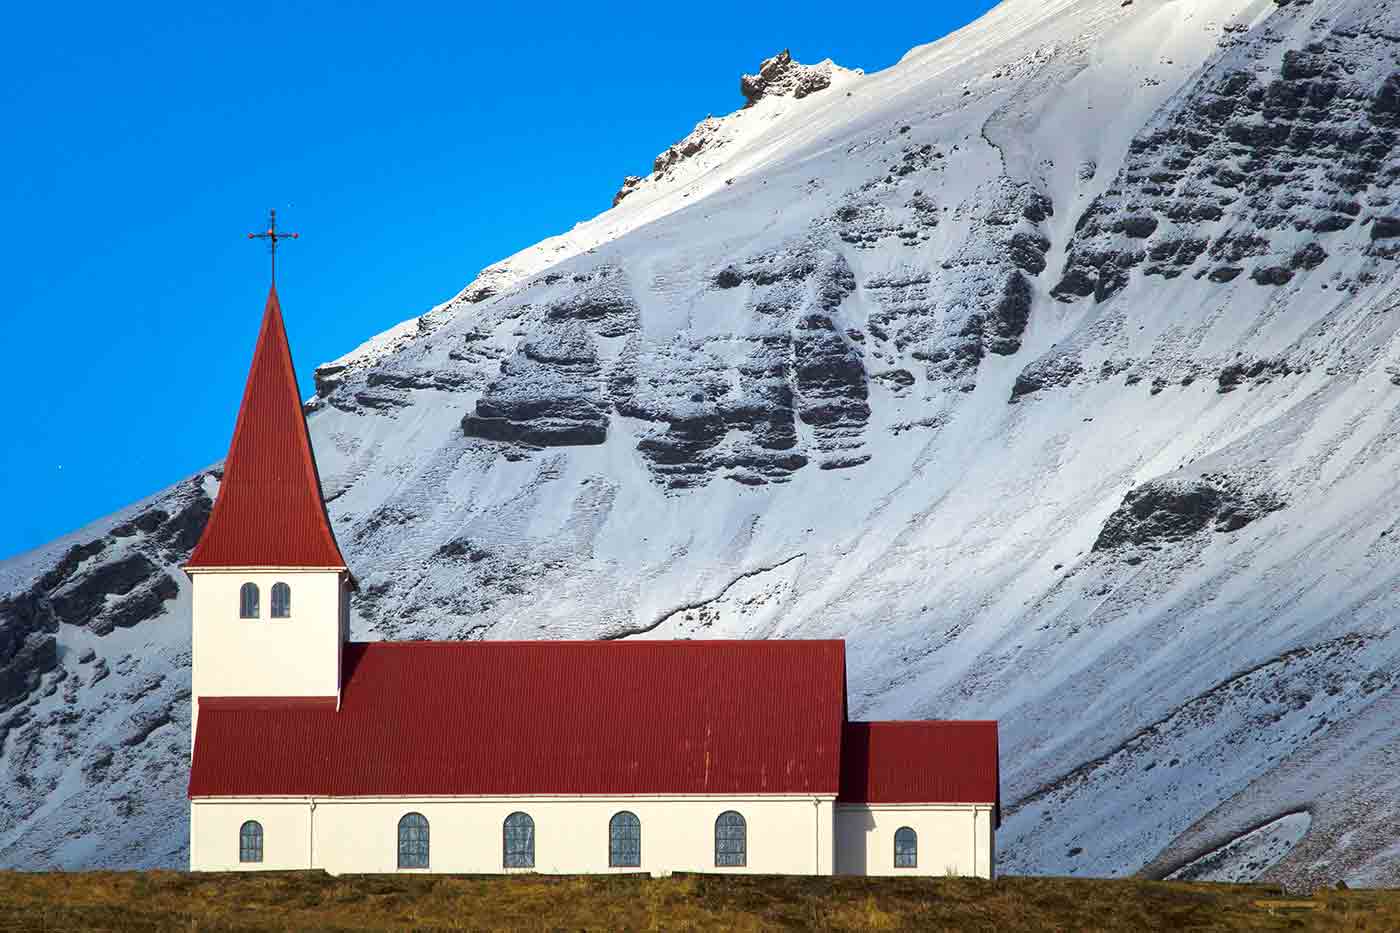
column 932, row 761
column 510, row 718
column 269, row 512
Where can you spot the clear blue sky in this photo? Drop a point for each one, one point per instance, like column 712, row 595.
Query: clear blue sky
column 410, row 144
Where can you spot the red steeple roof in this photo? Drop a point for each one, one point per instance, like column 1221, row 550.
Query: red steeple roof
column 269, row 512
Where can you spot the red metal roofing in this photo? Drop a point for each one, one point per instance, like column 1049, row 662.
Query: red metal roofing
column 478, row 718
column 933, row 761
column 269, row 512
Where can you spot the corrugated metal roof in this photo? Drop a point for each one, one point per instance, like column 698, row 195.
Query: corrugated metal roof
column 476, row 718
column 269, row 511
column 932, row 761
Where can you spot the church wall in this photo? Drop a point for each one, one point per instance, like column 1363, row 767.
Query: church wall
column 953, row 839
column 786, row 835
column 296, row 656
column 286, row 827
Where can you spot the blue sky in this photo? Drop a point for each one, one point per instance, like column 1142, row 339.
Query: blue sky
column 410, row 145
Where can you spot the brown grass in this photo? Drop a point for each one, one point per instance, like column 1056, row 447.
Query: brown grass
column 166, row 900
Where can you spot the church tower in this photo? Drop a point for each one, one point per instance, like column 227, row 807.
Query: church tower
column 271, row 591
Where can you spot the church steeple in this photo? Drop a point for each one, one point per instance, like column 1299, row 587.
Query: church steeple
column 269, row 511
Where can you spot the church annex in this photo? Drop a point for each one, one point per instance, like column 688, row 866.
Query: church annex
column 311, row 751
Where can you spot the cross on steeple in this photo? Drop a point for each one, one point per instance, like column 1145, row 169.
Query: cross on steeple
column 272, row 235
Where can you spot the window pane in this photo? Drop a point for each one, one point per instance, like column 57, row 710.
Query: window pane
column 519, row 841
column 731, row 840
column 281, row 601
column 248, row 601
column 906, row 848
column 413, row 841
column 250, row 842
column 625, row 841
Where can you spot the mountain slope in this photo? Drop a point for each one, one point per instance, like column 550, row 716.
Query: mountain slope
column 1054, row 367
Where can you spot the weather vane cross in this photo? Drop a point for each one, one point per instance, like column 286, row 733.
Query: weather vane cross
column 272, row 235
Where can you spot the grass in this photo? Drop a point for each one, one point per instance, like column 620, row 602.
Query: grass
column 167, row 900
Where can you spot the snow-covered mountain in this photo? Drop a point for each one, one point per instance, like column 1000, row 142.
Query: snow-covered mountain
column 1056, row 368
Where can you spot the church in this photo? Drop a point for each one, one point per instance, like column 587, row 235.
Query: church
column 311, row 751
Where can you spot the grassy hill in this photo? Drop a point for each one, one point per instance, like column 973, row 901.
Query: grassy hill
column 162, row 900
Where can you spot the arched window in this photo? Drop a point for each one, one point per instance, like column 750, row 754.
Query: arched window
column 731, row 840
column 624, row 841
column 413, row 841
column 906, row 848
column 281, row 601
column 250, row 842
column 519, row 841
column 248, row 601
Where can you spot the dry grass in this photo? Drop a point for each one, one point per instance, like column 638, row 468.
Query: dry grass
column 135, row 901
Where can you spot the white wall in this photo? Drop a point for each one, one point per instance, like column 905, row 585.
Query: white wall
column 786, row 835
column 953, row 839
column 286, row 835
column 296, row 656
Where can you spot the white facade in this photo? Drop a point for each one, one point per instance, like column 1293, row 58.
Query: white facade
column 295, row 656
column 953, row 839
column 789, row 835
column 784, row 835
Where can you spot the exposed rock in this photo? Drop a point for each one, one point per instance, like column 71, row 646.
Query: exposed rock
column 1238, row 373
column 1167, row 510
column 629, row 184
column 1383, row 228
column 463, row 547
column 709, row 418
column 781, row 76
column 181, row 532
column 896, row 379
column 549, row 394
column 145, row 523
column 328, row 376
column 1245, row 155
column 705, row 135
column 1272, row 275
column 25, row 657
column 1308, row 257
column 1054, row 369
column 605, row 303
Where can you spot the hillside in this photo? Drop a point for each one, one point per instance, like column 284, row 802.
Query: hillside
column 1054, row 367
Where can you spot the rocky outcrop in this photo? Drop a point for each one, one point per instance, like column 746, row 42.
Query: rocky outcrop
column 1167, row 510
column 548, row 395
column 709, row 417
column 602, row 300
column 705, row 135
column 1254, row 166
column 780, row 76
column 117, row 580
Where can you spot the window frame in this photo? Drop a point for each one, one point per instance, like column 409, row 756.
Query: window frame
column 613, row 827
column 426, row 842
column 743, row 837
column 286, row 607
column 525, row 855
column 249, row 609
column 250, row 840
column 913, row 854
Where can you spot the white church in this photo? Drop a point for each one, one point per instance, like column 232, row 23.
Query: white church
column 312, row 751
